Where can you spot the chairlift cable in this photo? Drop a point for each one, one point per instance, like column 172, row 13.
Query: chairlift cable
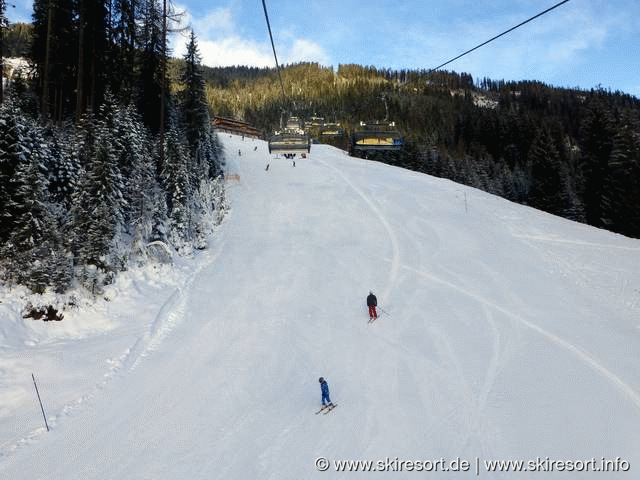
column 498, row 36
column 273, row 46
column 290, row 143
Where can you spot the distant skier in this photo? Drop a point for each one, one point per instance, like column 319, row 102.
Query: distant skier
column 372, row 303
column 267, row 167
column 326, row 401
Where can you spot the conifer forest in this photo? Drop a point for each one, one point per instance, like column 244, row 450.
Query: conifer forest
column 104, row 158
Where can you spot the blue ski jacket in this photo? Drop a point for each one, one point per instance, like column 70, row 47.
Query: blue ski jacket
column 325, row 389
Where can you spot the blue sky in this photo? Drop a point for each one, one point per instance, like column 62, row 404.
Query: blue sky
column 583, row 43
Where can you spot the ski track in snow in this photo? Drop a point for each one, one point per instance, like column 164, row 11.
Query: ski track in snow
column 587, row 359
column 169, row 315
column 551, row 239
column 395, row 263
column 475, row 404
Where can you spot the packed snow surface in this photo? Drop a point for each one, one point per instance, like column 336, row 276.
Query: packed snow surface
column 505, row 334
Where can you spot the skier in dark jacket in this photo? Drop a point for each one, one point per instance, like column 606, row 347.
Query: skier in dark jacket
column 372, row 303
column 325, row 393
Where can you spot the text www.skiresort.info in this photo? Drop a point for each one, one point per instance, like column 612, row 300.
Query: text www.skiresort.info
column 476, row 466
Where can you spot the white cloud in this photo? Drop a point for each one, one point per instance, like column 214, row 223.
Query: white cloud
column 234, row 50
column 581, row 32
column 306, row 50
column 215, row 24
column 221, row 43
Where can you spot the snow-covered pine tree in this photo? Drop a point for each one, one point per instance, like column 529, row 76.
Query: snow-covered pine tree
column 34, row 249
column 62, row 165
column 144, row 202
column 204, row 149
column 179, row 193
column 193, row 106
column 9, row 159
column 98, row 201
column 132, row 148
column 102, row 228
column 212, row 152
column 80, row 216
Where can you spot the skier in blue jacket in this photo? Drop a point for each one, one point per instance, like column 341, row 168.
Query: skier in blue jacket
column 325, row 393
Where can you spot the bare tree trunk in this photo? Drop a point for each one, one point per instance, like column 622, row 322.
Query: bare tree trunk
column 80, row 83
column 2, row 31
column 92, row 93
column 163, row 79
column 47, row 61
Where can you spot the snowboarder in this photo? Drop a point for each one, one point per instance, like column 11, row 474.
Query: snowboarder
column 326, row 401
column 372, row 303
column 267, row 167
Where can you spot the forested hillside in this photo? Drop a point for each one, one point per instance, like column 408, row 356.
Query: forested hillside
column 105, row 157
column 570, row 152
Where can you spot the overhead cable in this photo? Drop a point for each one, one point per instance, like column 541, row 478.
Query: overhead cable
column 498, row 36
column 266, row 16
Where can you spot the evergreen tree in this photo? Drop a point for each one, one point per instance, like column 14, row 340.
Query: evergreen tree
column 203, row 146
column 136, row 164
column 9, row 160
column 62, row 166
column 545, row 192
column 597, row 134
column 98, row 202
column 33, row 248
column 621, row 197
column 179, row 192
column 193, row 103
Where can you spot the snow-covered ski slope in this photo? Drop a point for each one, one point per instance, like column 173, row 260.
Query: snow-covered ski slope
column 507, row 334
